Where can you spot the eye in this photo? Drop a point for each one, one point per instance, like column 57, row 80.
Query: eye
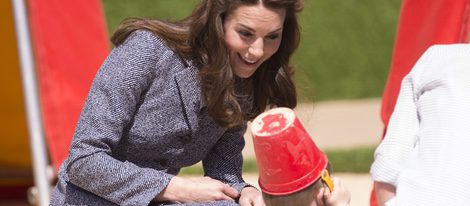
column 272, row 36
column 245, row 34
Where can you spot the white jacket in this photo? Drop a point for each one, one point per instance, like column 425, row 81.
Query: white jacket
column 426, row 151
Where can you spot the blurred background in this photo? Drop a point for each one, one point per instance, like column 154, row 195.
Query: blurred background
column 341, row 69
column 343, row 65
column 345, row 48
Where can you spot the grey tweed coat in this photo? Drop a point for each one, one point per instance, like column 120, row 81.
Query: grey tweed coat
column 143, row 120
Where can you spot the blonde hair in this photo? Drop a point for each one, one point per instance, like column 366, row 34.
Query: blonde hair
column 304, row 197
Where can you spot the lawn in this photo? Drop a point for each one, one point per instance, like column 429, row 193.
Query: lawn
column 355, row 160
column 344, row 54
column 345, row 49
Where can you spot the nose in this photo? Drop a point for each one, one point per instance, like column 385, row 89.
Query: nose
column 257, row 48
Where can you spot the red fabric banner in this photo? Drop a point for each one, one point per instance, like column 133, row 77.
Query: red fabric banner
column 422, row 23
column 70, row 43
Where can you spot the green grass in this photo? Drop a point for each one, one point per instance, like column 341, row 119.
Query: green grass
column 356, row 160
column 249, row 166
column 345, row 49
column 118, row 10
column 344, row 54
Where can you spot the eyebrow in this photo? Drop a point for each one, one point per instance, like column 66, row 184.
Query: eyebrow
column 252, row 30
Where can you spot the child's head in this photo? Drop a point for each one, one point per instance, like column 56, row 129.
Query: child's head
column 291, row 167
column 304, row 197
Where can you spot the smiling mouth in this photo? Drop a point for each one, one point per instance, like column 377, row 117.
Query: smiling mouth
column 246, row 61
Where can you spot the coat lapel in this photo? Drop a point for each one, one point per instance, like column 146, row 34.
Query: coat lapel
column 190, row 94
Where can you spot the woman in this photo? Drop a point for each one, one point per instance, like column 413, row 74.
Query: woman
column 174, row 93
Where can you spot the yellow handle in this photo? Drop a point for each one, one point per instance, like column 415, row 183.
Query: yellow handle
column 325, row 176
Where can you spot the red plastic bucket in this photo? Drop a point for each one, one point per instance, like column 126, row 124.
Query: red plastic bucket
column 288, row 159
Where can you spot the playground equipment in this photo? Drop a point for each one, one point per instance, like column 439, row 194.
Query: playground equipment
column 50, row 52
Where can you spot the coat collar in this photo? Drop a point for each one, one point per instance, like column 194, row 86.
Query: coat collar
column 190, row 93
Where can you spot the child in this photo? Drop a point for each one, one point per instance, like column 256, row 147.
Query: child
column 292, row 170
column 424, row 158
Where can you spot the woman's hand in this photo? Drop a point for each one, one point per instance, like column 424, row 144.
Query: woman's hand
column 339, row 197
column 196, row 189
column 251, row 197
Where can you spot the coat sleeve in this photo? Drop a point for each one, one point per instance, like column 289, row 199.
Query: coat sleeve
column 111, row 103
column 224, row 162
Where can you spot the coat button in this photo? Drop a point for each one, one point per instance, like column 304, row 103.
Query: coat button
column 163, row 163
column 185, row 139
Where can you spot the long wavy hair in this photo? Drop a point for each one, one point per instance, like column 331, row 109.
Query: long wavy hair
column 200, row 37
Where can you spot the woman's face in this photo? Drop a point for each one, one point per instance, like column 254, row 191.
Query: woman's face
column 252, row 34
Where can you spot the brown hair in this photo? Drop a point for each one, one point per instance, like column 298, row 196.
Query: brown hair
column 200, row 37
column 304, row 197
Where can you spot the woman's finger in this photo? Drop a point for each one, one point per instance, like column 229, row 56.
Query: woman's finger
column 245, row 202
column 230, row 191
column 258, row 201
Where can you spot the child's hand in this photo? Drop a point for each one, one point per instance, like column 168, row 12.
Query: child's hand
column 251, row 197
column 339, row 197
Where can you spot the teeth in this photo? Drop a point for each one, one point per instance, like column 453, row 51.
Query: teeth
column 251, row 62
